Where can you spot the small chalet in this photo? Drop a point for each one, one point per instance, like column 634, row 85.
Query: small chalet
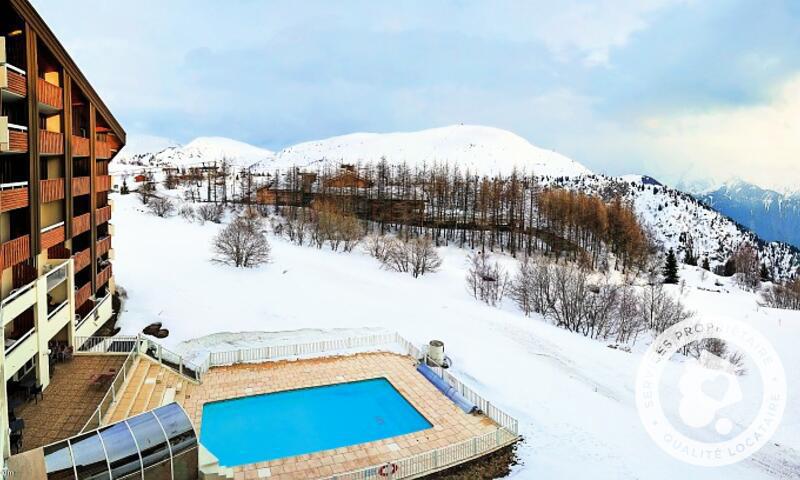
column 347, row 178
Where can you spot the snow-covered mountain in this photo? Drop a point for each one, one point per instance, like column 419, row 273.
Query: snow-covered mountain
column 677, row 219
column 482, row 150
column 197, row 152
column 772, row 215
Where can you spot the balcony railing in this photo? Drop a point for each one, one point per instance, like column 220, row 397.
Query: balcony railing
column 49, row 94
column 52, row 235
column 17, row 82
column 82, row 259
column 103, row 183
column 15, row 251
column 80, row 186
column 56, row 275
column 103, row 276
column 17, row 139
column 103, row 246
column 102, row 150
column 51, row 143
column 82, row 295
column 19, row 341
column 103, row 215
column 52, row 313
column 13, row 196
column 51, row 190
column 81, row 223
column 80, row 146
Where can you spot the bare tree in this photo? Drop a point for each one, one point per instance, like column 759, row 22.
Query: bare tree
column 423, row 256
column 785, row 296
column 187, row 212
column 748, row 266
column 161, row 206
column 243, row 243
column 210, row 212
column 660, row 310
column 531, row 287
column 486, row 279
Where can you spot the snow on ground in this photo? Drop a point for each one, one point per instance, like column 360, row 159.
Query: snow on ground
column 574, row 397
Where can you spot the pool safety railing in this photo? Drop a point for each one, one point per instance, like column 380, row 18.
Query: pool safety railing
column 432, row 461
column 299, row 350
column 379, row 342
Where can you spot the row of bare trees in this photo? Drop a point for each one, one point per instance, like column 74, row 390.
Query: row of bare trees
column 325, row 224
column 568, row 297
column 513, row 213
column 786, row 296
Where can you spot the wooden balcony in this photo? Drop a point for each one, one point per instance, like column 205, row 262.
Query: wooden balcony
column 82, row 259
column 17, row 141
column 82, row 295
column 104, row 276
column 103, row 183
column 52, row 235
column 17, row 83
column 51, row 190
column 51, row 143
column 102, row 150
column 103, row 215
column 13, row 197
column 15, row 251
column 80, row 186
column 103, row 246
column 81, row 223
column 80, row 146
column 49, row 95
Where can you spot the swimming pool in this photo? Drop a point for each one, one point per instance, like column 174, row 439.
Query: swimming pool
column 284, row 424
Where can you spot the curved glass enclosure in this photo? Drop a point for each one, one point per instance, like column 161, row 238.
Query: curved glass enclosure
column 159, row 444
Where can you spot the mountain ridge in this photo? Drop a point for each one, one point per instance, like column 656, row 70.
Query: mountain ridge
column 678, row 220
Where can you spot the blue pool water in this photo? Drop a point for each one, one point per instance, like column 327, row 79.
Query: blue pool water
column 284, row 424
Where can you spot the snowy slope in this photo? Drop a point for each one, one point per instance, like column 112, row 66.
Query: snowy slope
column 482, row 150
column 197, row 152
column 573, row 396
column 679, row 221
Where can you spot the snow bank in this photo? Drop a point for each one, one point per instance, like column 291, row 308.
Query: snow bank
column 573, row 396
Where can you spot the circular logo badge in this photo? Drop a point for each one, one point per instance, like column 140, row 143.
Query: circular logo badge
column 707, row 386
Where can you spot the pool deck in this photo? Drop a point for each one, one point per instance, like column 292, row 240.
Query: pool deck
column 150, row 385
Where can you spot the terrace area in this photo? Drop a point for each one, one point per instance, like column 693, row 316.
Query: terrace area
column 154, row 377
column 68, row 402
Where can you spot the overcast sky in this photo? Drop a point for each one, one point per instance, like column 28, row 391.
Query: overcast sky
column 677, row 89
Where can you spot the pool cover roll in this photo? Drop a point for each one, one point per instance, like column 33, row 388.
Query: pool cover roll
column 448, row 390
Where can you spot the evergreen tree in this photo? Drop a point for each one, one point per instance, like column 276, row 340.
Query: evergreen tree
column 706, row 265
column 671, row 268
column 765, row 275
column 689, row 258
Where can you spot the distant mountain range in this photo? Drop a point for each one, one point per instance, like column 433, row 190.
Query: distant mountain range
column 772, row 215
column 677, row 219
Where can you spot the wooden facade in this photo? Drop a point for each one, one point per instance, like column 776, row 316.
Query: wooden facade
column 61, row 139
column 347, row 179
column 12, row 199
column 17, row 83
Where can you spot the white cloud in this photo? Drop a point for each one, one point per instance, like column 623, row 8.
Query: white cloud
column 759, row 143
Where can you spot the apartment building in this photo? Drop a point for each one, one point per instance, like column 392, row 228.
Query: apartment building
column 57, row 138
